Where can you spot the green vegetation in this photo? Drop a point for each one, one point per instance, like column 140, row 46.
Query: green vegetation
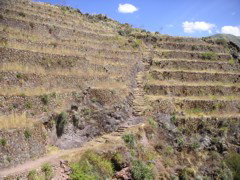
column 209, row 55
column 194, row 145
column 141, row 170
column 32, row 175
column 173, row 119
column 195, row 111
column 221, row 41
column 92, row 167
column 137, row 43
column 181, row 142
column 152, row 122
column 21, row 14
column 45, row 99
column 232, row 61
column 60, row 123
column 21, row 76
column 27, row 134
column 186, row 173
column 129, row 140
column 233, row 162
column 28, row 105
column 3, row 142
column 47, row 170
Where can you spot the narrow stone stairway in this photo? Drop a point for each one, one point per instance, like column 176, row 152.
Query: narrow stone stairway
column 139, row 103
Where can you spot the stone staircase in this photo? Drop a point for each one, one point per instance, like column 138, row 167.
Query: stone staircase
column 139, row 103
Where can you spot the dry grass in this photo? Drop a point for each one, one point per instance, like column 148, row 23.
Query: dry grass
column 56, row 24
column 18, row 91
column 40, row 70
column 16, row 121
column 99, row 53
column 152, row 81
column 184, row 51
column 193, row 98
column 210, row 71
column 190, row 60
column 90, row 42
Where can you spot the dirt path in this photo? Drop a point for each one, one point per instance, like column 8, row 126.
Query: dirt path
column 94, row 143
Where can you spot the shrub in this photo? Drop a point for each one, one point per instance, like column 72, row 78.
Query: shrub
column 180, row 142
column 60, row 123
column 3, row 142
column 209, row 55
column 32, row 175
column 21, row 14
column 152, row 122
column 137, row 43
column 28, row 105
column 173, row 119
column 186, row 173
column 195, row 145
column 27, row 133
column 129, row 140
column 47, row 170
column 141, row 171
column 233, row 162
column 31, row 25
column 45, row 99
column 92, row 166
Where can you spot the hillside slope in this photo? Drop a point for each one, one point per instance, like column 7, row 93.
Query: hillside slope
column 228, row 37
column 68, row 78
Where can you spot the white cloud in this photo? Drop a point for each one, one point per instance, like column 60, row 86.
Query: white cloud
column 192, row 27
column 127, row 8
column 234, row 30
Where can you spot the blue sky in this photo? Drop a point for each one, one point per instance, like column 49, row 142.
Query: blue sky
column 173, row 17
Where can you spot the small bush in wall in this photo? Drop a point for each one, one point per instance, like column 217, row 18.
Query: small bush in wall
column 60, row 123
column 47, row 170
column 45, row 99
column 129, row 140
column 32, row 175
column 141, row 170
column 3, row 142
column 27, row 134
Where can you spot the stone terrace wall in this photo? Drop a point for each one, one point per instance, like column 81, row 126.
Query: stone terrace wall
column 19, row 145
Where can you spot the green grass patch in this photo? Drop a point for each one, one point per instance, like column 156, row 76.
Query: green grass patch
column 209, row 55
column 27, row 134
column 3, row 142
column 233, row 162
column 32, row 175
column 129, row 140
column 92, row 167
column 141, row 170
column 45, row 99
column 152, row 122
column 47, row 170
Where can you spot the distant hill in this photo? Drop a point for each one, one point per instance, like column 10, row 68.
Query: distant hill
column 232, row 38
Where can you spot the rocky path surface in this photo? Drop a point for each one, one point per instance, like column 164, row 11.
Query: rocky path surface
column 58, row 156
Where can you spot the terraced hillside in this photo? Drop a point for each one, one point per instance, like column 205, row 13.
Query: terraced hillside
column 68, row 77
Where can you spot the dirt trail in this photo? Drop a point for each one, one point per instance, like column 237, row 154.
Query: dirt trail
column 35, row 164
